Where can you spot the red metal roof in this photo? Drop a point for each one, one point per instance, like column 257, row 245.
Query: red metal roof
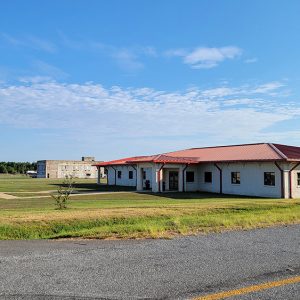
column 122, row 161
column 291, row 152
column 246, row 152
column 162, row 158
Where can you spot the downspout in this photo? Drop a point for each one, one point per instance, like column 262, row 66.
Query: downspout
column 183, row 177
column 221, row 178
column 290, row 178
column 282, row 179
column 158, row 176
column 115, row 175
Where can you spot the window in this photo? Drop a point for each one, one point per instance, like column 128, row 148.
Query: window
column 207, row 177
column 269, row 178
column 235, row 177
column 298, row 178
column 119, row 174
column 190, row 177
column 144, row 175
column 130, row 174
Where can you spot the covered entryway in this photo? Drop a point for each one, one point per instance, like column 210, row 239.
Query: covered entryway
column 164, row 173
column 173, row 180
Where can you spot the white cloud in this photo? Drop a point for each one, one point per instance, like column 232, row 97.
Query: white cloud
column 205, row 57
column 176, row 52
column 269, row 88
column 127, row 60
column 149, row 51
column 48, row 70
column 30, row 41
column 251, row 60
column 141, row 113
column 41, row 44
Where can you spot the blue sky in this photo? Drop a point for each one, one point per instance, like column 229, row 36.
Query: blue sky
column 121, row 78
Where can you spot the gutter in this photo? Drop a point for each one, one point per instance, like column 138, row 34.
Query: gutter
column 221, row 178
column 290, row 180
column 183, row 177
column 282, row 179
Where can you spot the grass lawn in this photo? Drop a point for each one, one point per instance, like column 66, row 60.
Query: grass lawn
column 134, row 215
column 23, row 186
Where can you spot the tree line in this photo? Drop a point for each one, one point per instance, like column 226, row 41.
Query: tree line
column 17, row 167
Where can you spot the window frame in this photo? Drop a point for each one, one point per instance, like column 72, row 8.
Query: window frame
column 236, row 177
column 265, row 184
column 298, row 179
column 119, row 174
column 188, row 180
column 206, row 173
column 130, row 174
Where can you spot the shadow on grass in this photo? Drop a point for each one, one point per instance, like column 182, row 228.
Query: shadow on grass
column 94, row 187
column 199, row 195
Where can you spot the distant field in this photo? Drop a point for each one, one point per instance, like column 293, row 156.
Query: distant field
column 4, row 176
column 19, row 184
column 133, row 215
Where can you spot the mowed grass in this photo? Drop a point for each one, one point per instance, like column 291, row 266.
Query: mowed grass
column 23, row 186
column 17, row 183
column 137, row 215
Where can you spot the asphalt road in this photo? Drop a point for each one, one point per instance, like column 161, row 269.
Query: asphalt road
column 181, row 268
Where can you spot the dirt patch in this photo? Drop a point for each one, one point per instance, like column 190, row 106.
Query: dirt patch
column 7, row 196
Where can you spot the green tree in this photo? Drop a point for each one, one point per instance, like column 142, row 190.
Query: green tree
column 11, row 170
column 3, row 168
column 63, row 193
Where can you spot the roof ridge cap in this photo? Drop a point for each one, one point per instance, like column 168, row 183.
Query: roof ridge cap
column 225, row 146
column 277, row 150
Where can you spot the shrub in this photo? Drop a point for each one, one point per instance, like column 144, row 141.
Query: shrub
column 63, row 193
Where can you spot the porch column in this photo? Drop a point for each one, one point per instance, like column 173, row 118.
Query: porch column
column 161, row 179
column 98, row 175
column 155, row 178
column 139, row 178
column 287, row 168
column 286, row 184
column 180, row 179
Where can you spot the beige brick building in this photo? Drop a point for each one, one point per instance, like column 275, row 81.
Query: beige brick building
column 61, row 168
